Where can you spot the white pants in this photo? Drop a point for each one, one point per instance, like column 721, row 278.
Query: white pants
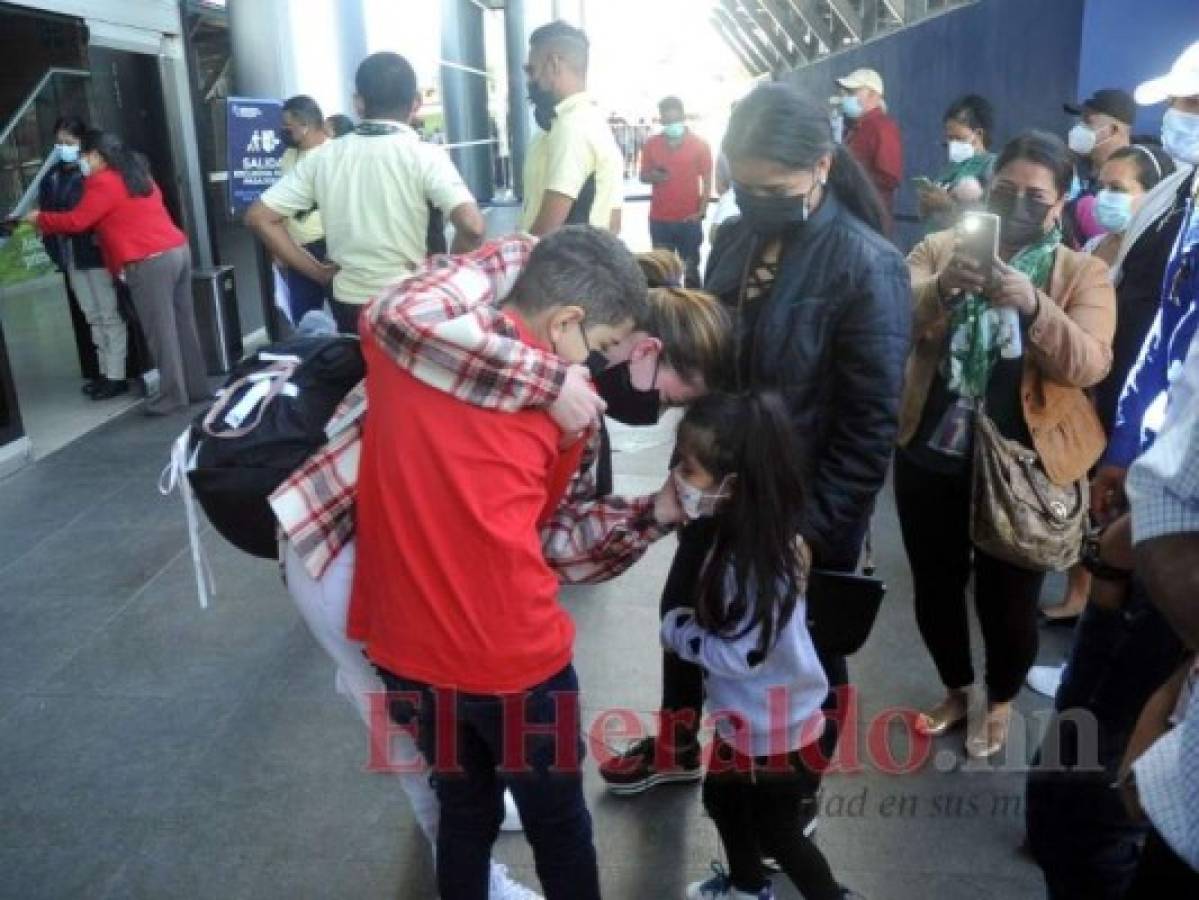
column 98, row 299
column 324, row 605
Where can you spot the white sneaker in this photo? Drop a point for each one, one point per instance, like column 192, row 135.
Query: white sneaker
column 504, row 888
column 1045, row 680
column 511, row 815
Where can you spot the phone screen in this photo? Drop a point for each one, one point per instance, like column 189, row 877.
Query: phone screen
column 978, row 233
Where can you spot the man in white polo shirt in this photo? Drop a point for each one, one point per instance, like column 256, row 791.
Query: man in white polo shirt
column 376, row 189
column 574, row 172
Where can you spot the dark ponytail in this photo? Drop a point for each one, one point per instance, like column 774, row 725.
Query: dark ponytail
column 131, row 165
column 749, row 437
column 776, row 122
column 855, row 190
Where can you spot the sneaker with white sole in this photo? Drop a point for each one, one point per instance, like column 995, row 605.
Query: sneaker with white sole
column 720, row 887
column 644, row 764
column 512, row 820
column 502, row 887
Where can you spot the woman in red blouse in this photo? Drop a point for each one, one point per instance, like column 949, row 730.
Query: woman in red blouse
column 141, row 245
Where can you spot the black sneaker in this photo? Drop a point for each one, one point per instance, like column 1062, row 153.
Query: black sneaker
column 638, row 769
column 809, row 810
column 92, row 385
column 110, row 389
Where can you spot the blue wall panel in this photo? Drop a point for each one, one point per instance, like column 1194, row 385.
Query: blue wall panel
column 1023, row 55
column 1125, row 42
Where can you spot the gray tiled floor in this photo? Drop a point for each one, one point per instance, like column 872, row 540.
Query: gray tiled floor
column 149, row 748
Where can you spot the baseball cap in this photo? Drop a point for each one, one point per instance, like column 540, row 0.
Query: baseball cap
column 1181, row 81
column 1110, row 102
column 862, row 78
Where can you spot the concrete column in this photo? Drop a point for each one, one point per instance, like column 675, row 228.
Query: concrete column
column 287, row 47
column 464, row 94
column 516, row 37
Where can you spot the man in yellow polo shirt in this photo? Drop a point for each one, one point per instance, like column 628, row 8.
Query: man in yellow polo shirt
column 574, row 172
column 374, row 189
column 304, row 134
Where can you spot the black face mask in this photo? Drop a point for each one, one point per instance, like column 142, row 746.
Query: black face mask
column 1022, row 218
column 625, row 403
column 543, row 101
column 771, row 215
column 287, row 140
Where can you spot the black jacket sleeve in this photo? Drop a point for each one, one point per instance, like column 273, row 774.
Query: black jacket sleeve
column 870, row 349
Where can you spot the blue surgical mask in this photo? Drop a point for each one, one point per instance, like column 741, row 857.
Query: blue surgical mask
column 85, row 167
column 1180, row 136
column 675, row 130
column 851, row 106
column 1113, row 209
column 68, row 153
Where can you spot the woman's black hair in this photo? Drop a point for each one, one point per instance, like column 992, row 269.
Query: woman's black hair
column 1153, row 163
column 776, row 122
column 131, row 165
column 750, row 437
column 72, row 125
column 974, row 112
column 340, row 124
column 1044, row 149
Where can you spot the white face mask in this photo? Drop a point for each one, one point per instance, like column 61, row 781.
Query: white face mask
column 960, row 151
column 696, row 503
column 68, row 153
column 1081, row 139
column 1180, row 136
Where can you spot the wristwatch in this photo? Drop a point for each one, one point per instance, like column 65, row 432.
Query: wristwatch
column 1093, row 563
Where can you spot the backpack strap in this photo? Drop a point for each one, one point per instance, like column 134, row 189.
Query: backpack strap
column 264, row 386
column 175, row 475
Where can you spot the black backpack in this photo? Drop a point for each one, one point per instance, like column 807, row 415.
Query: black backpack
column 266, row 421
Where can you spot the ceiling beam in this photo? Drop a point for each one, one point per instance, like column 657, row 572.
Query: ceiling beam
column 810, row 13
column 871, row 13
column 791, row 25
column 775, row 35
column 748, row 29
column 739, row 50
column 733, row 33
column 849, row 17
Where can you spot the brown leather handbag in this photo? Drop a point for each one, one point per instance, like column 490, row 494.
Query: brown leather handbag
column 1018, row 514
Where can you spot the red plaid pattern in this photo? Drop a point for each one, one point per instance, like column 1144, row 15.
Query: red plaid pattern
column 444, row 325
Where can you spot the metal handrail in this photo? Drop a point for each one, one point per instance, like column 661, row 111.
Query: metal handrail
column 33, row 95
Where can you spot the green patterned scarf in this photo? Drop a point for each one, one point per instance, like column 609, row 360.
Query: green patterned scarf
column 974, row 167
column 976, row 329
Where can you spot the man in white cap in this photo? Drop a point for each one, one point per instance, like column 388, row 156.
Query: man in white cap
column 873, row 136
column 1080, row 833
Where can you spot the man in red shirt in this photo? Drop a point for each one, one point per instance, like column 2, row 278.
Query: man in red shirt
column 452, row 595
column 873, row 136
column 678, row 163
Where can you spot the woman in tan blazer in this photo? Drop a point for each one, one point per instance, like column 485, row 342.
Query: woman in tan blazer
column 1028, row 341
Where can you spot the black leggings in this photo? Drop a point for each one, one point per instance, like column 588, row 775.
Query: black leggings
column 757, row 811
column 683, row 682
column 934, row 516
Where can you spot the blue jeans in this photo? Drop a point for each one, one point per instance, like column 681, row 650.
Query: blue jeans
column 474, row 744
column 1078, row 829
column 685, row 239
column 304, row 294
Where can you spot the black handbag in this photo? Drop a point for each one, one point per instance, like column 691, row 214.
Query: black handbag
column 842, row 607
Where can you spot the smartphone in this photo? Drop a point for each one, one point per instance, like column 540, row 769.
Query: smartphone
column 978, row 236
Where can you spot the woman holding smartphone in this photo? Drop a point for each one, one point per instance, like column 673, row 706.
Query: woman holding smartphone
column 1033, row 383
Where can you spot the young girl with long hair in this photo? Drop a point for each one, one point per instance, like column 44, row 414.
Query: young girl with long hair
column 738, row 467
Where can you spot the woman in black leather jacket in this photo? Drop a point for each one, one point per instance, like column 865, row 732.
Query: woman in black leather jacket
column 821, row 308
